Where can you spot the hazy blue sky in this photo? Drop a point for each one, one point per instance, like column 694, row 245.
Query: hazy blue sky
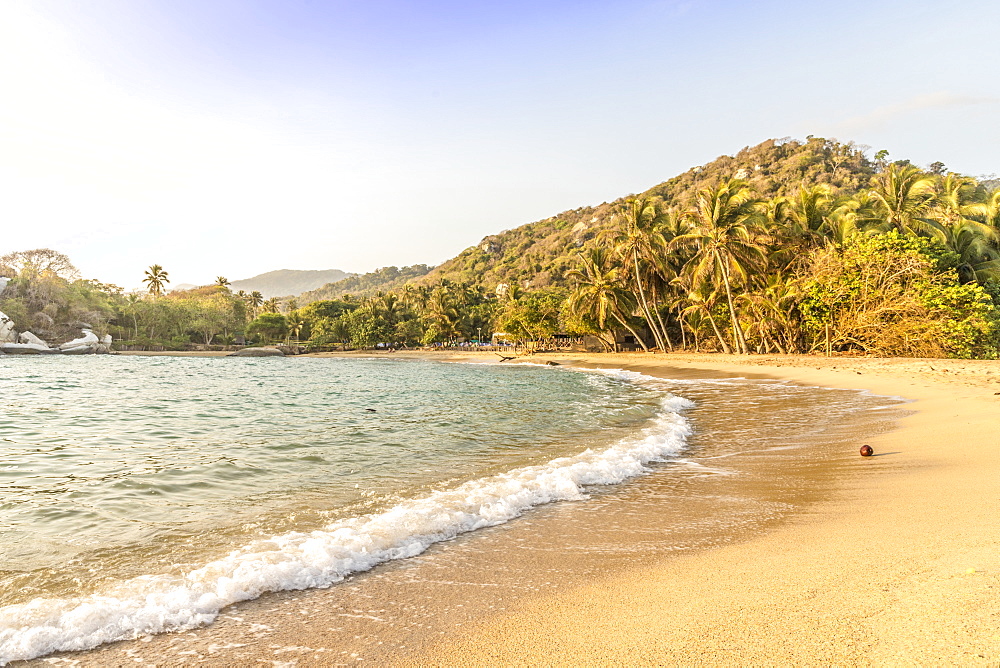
column 232, row 138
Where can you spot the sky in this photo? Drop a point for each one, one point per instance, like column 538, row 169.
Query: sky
column 224, row 138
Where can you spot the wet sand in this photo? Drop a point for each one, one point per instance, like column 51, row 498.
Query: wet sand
column 835, row 559
column 900, row 564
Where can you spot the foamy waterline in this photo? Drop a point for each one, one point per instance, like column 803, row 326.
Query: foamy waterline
column 298, row 560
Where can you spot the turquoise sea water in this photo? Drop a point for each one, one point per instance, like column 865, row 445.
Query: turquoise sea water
column 141, row 494
column 144, row 494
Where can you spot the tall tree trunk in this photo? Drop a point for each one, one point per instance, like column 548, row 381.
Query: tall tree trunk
column 725, row 346
column 663, row 328
column 635, row 334
column 680, row 321
column 645, row 306
column 741, row 343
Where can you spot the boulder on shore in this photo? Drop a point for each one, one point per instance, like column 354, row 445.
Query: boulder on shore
column 19, row 349
column 7, row 333
column 78, row 350
column 29, row 337
column 257, row 352
column 27, row 343
column 26, row 348
column 85, row 344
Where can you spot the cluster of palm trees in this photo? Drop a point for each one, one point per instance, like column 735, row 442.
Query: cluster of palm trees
column 426, row 313
column 451, row 309
column 255, row 302
column 725, row 270
column 731, row 265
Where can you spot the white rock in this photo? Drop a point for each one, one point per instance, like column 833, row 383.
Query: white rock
column 257, row 352
column 23, row 348
column 88, row 340
column 7, row 334
column 29, row 337
column 80, row 350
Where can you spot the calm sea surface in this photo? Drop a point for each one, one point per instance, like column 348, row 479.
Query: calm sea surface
column 144, row 494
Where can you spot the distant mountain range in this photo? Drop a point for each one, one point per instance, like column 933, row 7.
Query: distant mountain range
column 288, row 282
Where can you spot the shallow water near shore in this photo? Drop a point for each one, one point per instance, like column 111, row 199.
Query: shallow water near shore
column 228, row 480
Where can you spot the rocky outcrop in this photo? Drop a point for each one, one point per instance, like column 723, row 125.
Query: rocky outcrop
column 28, row 337
column 85, row 344
column 27, row 343
column 257, row 352
column 7, row 334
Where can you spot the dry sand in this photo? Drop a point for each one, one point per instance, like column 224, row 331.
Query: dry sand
column 899, row 564
column 899, row 567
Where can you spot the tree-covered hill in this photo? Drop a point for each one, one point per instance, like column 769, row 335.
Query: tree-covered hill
column 787, row 246
column 385, row 279
column 539, row 254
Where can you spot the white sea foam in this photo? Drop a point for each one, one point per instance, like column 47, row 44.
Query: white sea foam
column 158, row 603
column 624, row 374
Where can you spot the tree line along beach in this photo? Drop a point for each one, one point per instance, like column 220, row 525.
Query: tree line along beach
column 781, row 248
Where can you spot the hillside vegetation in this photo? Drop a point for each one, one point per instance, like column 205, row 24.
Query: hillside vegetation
column 540, row 254
column 385, row 279
column 788, row 246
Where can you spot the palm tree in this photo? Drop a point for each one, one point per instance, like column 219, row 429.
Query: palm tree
column 222, row 281
column 638, row 221
column 295, row 324
column 339, row 331
column 599, row 296
column 976, row 243
column 978, row 248
column 390, row 309
column 255, row 300
column 953, row 200
column 725, row 242
column 442, row 311
column 845, row 221
column 156, row 279
column 988, row 211
column 130, row 306
column 416, row 296
column 701, row 302
column 775, row 306
column 808, row 213
column 904, row 195
column 270, row 305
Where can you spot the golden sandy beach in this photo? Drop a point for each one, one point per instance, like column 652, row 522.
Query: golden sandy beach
column 895, row 562
column 900, row 567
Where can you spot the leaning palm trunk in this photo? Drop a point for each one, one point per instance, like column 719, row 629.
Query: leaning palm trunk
column 635, row 334
column 663, row 328
column 645, row 305
column 680, row 321
column 725, row 346
column 740, row 340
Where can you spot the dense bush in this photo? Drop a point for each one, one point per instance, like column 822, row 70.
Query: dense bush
column 892, row 294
